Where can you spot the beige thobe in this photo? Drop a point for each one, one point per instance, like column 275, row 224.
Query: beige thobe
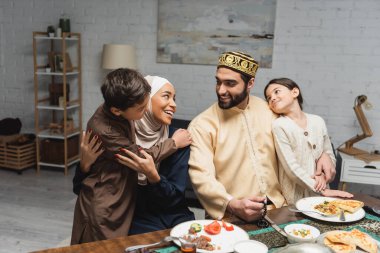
column 233, row 156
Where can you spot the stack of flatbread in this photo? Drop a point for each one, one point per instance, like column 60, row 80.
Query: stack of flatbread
column 345, row 242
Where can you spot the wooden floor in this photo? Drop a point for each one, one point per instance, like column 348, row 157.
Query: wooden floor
column 36, row 211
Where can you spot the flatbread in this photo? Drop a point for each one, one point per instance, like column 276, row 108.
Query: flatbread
column 364, row 241
column 349, row 205
column 339, row 247
column 347, row 241
column 339, row 237
column 327, row 208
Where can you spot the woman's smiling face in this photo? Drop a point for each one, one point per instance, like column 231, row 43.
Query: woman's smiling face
column 163, row 104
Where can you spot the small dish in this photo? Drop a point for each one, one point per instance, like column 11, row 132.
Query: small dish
column 301, row 233
column 249, row 246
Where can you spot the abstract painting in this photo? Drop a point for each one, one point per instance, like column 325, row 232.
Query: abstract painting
column 197, row 31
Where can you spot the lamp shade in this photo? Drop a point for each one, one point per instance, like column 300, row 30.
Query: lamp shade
column 118, row 56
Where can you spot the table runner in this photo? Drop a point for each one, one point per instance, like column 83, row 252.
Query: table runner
column 370, row 225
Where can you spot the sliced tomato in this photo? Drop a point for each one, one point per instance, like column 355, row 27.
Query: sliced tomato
column 227, row 226
column 213, row 228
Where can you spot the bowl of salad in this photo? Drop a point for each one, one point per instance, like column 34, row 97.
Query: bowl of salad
column 299, row 233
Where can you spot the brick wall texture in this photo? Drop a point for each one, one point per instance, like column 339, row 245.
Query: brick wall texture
column 330, row 48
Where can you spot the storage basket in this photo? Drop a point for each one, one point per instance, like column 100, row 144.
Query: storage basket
column 52, row 150
column 15, row 155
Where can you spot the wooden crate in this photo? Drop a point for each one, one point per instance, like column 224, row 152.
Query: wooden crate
column 17, row 157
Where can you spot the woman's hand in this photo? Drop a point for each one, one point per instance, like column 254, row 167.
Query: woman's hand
column 320, row 183
column 90, row 151
column 144, row 165
column 182, row 138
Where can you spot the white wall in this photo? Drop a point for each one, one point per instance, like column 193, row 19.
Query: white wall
column 331, row 48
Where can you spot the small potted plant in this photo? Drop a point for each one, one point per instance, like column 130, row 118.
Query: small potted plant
column 50, row 31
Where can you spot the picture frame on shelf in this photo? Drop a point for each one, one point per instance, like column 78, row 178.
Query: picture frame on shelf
column 56, row 62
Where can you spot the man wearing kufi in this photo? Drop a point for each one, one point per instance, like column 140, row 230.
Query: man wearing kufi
column 233, row 163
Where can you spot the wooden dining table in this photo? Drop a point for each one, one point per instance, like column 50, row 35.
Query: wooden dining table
column 118, row 245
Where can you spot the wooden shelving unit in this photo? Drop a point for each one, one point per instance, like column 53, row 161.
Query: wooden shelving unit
column 58, row 125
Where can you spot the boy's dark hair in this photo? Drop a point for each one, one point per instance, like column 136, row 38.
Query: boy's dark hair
column 288, row 83
column 123, row 88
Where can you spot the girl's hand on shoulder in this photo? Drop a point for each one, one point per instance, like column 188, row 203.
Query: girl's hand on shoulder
column 182, row 138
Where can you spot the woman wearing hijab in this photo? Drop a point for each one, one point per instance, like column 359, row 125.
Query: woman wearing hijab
column 160, row 200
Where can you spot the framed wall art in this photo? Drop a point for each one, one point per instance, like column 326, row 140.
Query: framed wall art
column 196, row 32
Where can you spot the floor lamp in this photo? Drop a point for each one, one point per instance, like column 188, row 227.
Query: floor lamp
column 367, row 132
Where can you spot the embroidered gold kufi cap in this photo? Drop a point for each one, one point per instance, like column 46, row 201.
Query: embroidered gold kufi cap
column 240, row 62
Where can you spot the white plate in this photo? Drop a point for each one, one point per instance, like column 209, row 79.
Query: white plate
column 225, row 239
column 358, row 250
column 308, row 204
column 250, row 246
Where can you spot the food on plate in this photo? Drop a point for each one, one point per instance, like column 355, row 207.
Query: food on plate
column 227, row 226
column 364, row 241
column 202, row 242
column 213, row 228
column 327, row 208
column 339, row 247
column 303, row 233
column 349, row 205
column 339, row 237
column 333, row 207
column 347, row 241
column 195, row 228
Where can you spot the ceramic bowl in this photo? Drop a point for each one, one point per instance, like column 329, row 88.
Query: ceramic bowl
column 249, row 246
column 301, row 233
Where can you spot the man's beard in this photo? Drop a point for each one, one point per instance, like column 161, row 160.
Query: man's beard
column 234, row 101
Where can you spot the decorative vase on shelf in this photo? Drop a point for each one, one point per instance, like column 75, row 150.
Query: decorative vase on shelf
column 64, row 24
column 50, row 31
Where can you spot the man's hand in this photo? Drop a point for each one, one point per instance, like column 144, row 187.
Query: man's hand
column 320, row 183
column 144, row 165
column 90, row 151
column 248, row 209
column 325, row 165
